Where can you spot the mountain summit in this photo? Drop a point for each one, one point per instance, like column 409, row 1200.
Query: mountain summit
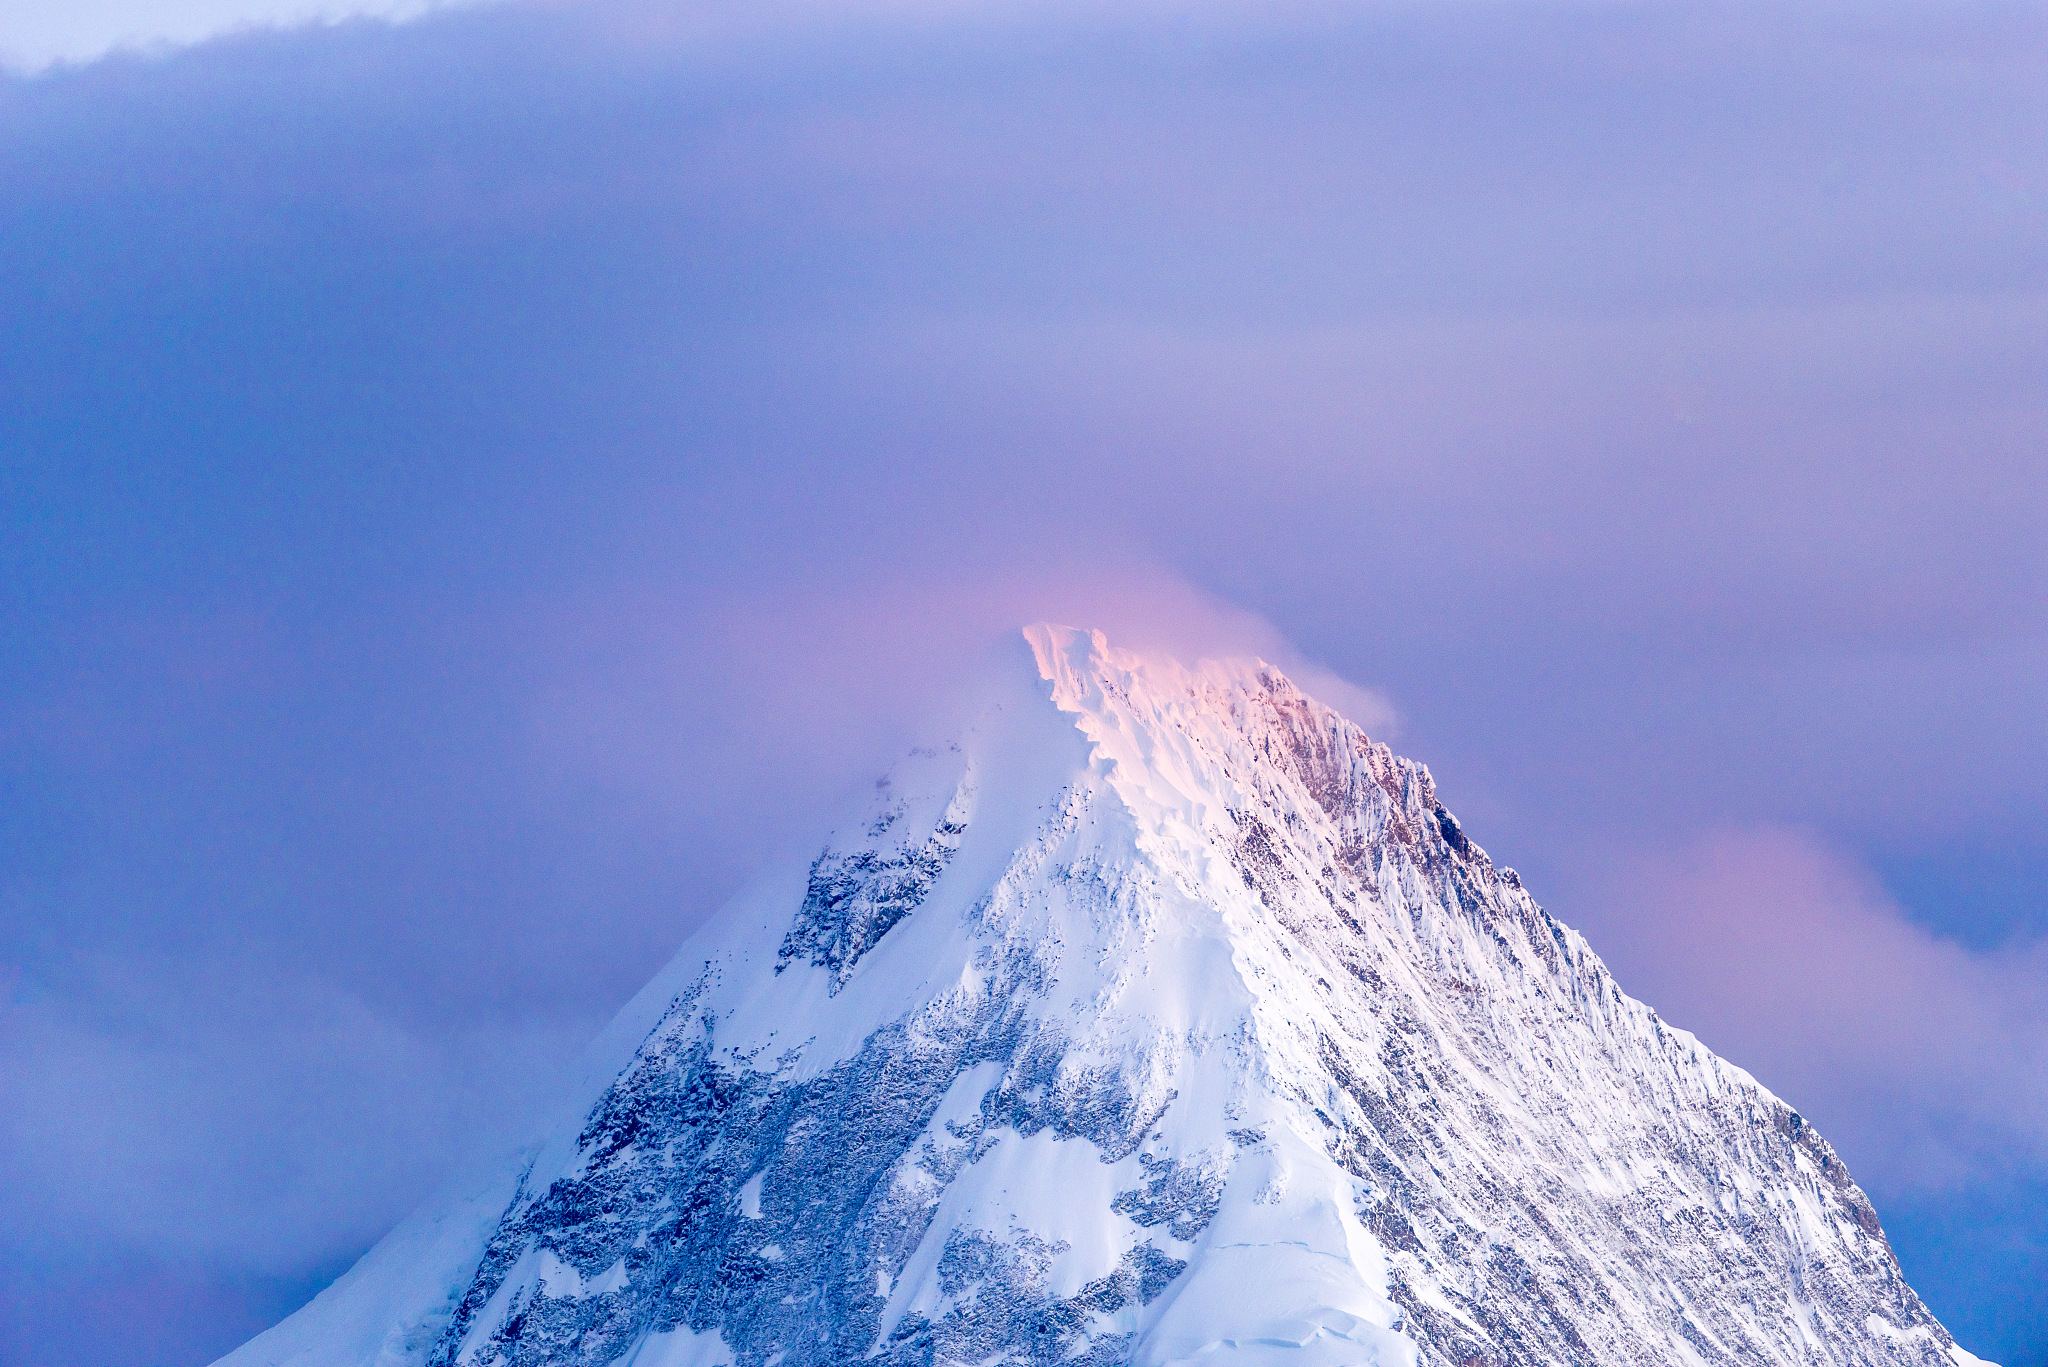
column 1162, row 1018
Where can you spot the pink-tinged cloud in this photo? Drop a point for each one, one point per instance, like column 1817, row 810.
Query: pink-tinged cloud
column 1925, row 1062
column 633, row 694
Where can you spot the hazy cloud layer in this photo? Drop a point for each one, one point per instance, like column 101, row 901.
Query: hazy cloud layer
column 474, row 490
column 1925, row 1059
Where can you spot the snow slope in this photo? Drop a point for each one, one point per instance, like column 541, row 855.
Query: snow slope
column 1164, row 1018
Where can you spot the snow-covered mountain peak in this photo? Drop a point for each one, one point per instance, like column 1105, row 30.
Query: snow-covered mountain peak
column 1160, row 1017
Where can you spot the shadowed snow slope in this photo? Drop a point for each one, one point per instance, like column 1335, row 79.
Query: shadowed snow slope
column 1162, row 1018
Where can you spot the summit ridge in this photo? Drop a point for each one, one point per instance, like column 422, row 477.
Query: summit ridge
column 1164, row 1017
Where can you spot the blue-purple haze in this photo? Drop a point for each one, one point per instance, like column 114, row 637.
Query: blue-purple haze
column 470, row 491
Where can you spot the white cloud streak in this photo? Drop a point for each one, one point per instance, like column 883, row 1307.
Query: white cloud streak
column 35, row 36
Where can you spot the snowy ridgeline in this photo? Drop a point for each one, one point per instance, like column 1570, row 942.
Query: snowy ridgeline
column 1163, row 1018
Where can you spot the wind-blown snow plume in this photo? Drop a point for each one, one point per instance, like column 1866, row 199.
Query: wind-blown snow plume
column 1163, row 1017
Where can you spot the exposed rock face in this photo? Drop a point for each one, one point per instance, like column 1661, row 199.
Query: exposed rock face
column 857, row 893
column 1165, row 1018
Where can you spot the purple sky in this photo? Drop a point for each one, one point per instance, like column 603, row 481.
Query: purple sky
column 471, row 491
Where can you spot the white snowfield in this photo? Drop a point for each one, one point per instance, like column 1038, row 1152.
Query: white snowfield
column 1163, row 1019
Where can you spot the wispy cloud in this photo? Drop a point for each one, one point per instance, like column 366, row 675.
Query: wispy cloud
column 1926, row 1062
